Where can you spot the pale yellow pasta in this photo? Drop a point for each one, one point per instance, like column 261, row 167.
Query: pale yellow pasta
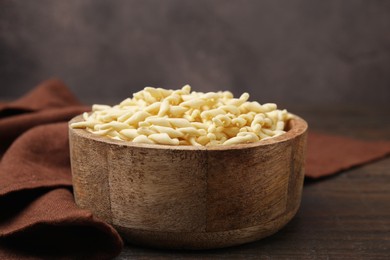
column 177, row 111
column 194, row 142
column 193, row 103
column 97, row 107
column 189, row 130
column 164, row 108
column 182, row 117
column 239, row 121
column 84, row 124
column 161, row 121
column 231, row 131
column 179, row 122
column 153, row 108
column 163, row 138
column 256, row 128
column 114, row 125
column 208, row 114
column 146, row 131
column 168, row 130
column 129, row 133
column 199, row 125
column 143, row 139
column 137, row 117
column 280, row 125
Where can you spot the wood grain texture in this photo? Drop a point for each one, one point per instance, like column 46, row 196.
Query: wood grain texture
column 190, row 197
column 90, row 178
column 157, row 189
column 342, row 217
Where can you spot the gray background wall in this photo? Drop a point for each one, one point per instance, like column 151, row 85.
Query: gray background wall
column 294, row 51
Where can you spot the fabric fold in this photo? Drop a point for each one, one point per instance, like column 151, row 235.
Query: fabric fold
column 331, row 154
column 49, row 94
column 38, row 215
column 48, row 224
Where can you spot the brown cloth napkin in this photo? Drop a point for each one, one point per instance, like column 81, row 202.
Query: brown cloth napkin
column 330, row 154
column 38, row 215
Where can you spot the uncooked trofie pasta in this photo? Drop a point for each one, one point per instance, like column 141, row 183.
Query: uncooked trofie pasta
column 182, row 117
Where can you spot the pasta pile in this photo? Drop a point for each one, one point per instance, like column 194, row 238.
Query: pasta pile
column 182, row 117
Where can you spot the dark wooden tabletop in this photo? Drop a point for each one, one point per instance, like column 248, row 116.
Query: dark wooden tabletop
column 346, row 216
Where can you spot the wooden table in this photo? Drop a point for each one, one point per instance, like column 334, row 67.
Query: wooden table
column 346, row 216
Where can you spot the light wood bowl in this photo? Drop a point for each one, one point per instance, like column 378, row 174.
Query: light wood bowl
column 188, row 197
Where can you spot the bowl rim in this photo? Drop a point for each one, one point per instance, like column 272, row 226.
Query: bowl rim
column 298, row 127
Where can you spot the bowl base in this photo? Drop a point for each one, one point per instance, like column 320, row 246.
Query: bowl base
column 203, row 240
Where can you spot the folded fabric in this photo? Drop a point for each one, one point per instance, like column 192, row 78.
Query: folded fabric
column 330, row 154
column 38, row 215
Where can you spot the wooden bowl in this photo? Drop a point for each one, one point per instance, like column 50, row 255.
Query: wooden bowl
column 188, row 197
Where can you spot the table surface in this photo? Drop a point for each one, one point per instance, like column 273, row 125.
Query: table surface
column 346, row 216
